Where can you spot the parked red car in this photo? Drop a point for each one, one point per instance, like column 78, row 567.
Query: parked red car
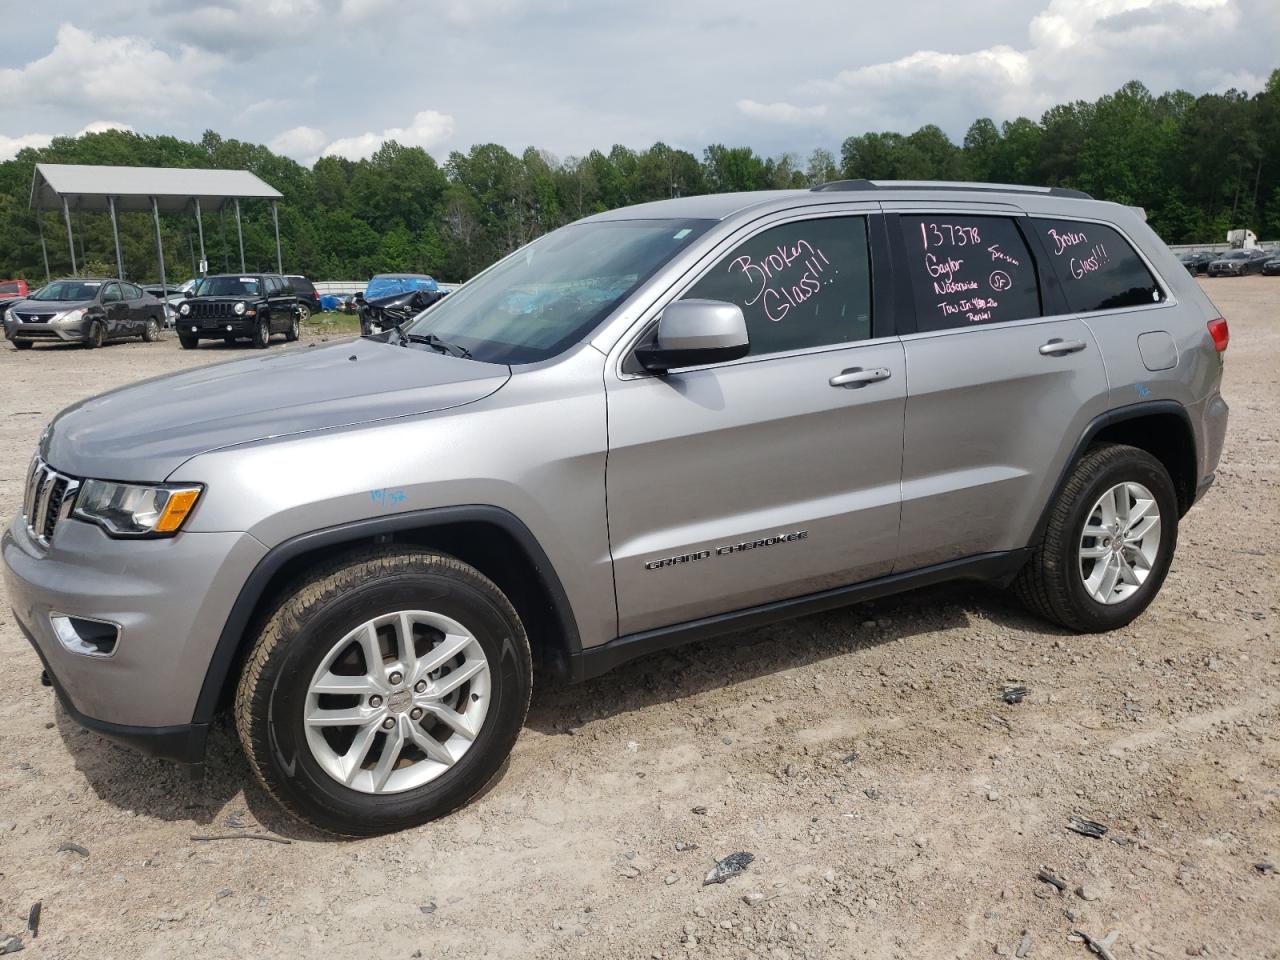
column 11, row 289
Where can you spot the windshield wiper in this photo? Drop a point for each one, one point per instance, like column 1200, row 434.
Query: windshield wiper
column 431, row 340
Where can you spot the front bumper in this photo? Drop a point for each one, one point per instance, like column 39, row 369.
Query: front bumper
column 243, row 326
column 67, row 331
column 170, row 599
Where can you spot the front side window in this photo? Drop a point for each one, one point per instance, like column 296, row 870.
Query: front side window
column 227, row 287
column 966, row 271
column 800, row 285
column 112, row 293
column 1096, row 266
column 553, row 292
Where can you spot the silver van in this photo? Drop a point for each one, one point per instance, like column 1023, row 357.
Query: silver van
column 654, row 425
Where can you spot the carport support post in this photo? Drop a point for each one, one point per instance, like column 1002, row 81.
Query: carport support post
column 240, row 235
column 71, row 240
column 115, row 232
column 275, row 218
column 164, row 284
column 44, row 250
column 200, row 233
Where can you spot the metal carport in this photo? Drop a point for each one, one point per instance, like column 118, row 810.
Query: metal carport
column 140, row 189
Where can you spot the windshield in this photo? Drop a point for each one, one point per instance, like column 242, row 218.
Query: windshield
column 226, row 287
column 390, row 286
column 68, row 290
column 552, row 292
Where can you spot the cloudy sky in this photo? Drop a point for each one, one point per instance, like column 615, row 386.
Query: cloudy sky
column 311, row 77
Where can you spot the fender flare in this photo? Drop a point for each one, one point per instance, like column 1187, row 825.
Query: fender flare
column 251, row 592
column 1097, row 425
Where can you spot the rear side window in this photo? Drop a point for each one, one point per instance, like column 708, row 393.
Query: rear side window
column 800, row 285
column 1096, row 266
column 966, row 271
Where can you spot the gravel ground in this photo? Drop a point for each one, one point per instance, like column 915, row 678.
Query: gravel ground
column 894, row 805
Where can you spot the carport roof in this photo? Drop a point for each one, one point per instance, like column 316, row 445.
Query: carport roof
column 89, row 187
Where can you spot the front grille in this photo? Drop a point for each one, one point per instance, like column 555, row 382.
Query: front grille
column 49, row 498
column 35, row 317
column 210, row 311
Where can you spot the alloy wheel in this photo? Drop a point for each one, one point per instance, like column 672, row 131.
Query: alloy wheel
column 1120, row 542
column 397, row 702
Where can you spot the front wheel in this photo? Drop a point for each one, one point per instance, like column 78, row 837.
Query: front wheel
column 262, row 334
column 1107, row 544
column 95, row 335
column 22, row 344
column 188, row 343
column 387, row 689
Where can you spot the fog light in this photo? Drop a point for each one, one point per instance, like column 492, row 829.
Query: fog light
column 89, row 638
column 228, row 326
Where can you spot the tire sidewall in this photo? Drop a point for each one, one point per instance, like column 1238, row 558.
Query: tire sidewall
column 323, row 800
column 262, row 334
column 1137, row 467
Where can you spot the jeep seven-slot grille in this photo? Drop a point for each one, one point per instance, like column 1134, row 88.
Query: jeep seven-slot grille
column 210, row 311
column 49, row 498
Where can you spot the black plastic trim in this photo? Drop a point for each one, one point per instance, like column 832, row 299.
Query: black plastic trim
column 1096, row 425
column 997, row 568
column 228, row 646
column 182, row 743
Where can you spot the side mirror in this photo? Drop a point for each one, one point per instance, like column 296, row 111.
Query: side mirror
column 694, row 332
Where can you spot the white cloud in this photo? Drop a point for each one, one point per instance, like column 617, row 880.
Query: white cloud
column 9, row 146
column 781, row 112
column 127, row 74
column 1077, row 49
column 301, row 143
column 428, row 129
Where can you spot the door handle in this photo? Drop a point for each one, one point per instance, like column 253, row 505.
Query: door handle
column 1058, row 347
column 857, row 377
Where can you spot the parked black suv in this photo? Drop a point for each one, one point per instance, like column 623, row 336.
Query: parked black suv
column 308, row 296
column 235, row 306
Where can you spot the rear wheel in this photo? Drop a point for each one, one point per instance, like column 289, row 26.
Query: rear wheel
column 22, row 344
column 295, row 325
column 387, row 689
column 151, row 332
column 1107, row 544
column 304, row 312
column 262, row 334
column 188, row 343
column 95, row 335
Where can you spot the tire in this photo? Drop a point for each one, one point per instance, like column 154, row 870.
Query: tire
column 304, row 312
column 188, row 343
column 1053, row 582
column 22, row 344
column 262, row 334
column 96, row 335
column 295, row 326
column 316, row 616
column 151, row 332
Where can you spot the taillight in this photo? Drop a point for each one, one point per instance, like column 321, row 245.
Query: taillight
column 1221, row 335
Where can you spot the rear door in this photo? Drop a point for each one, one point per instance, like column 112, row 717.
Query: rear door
column 737, row 484
column 1000, row 383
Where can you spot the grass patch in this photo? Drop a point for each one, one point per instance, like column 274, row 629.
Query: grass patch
column 331, row 322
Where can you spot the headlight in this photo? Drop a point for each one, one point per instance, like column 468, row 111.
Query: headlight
column 133, row 510
column 184, row 309
column 71, row 314
column 238, row 308
column 8, row 315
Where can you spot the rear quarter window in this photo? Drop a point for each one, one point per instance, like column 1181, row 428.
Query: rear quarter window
column 1096, row 266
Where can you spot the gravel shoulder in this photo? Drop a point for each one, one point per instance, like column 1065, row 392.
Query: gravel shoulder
column 895, row 806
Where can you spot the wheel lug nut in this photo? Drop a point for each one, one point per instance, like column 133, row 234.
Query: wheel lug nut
column 416, row 713
column 388, row 723
column 420, row 686
column 397, row 677
column 375, row 701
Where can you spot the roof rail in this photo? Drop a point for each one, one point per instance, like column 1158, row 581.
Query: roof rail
column 842, row 185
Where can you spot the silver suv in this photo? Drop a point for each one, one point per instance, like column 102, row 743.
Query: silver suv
column 654, row 425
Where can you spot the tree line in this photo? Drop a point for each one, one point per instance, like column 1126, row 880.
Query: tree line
column 1199, row 165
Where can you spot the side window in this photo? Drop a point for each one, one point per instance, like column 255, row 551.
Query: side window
column 968, row 270
column 273, row 286
column 803, row 284
column 112, row 293
column 1096, row 266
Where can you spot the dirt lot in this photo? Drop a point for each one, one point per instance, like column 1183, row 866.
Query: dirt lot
column 895, row 807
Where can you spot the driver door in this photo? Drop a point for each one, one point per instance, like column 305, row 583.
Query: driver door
column 773, row 476
column 115, row 310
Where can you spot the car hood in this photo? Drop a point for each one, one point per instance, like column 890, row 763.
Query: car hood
column 146, row 431
column 50, row 306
